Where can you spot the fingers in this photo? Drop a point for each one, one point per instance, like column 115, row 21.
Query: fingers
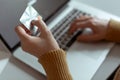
column 40, row 24
column 21, row 32
column 80, row 25
column 82, row 22
column 83, row 18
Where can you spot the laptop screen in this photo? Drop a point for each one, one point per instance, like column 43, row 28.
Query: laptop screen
column 12, row 10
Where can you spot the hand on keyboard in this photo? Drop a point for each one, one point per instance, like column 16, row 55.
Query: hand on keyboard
column 97, row 25
column 60, row 31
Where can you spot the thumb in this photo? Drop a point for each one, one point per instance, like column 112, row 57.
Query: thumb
column 88, row 38
column 21, row 33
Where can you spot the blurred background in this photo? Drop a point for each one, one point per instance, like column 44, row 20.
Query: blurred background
column 111, row 6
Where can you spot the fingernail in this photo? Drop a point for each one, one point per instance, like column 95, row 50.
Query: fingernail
column 39, row 17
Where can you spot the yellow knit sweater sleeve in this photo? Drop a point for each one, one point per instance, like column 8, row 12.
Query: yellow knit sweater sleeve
column 55, row 65
column 54, row 62
column 113, row 32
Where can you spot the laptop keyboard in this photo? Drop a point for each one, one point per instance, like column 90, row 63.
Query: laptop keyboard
column 60, row 31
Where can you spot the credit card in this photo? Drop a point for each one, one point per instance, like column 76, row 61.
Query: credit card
column 29, row 14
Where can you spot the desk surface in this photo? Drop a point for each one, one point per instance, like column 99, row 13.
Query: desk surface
column 16, row 70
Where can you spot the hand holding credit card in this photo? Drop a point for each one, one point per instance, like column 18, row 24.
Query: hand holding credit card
column 29, row 14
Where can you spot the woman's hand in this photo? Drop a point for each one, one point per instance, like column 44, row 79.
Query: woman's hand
column 97, row 25
column 37, row 45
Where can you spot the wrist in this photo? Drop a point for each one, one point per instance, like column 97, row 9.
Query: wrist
column 39, row 53
column 48, row 51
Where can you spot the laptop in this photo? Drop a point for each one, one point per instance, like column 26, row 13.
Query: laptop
column 83, row 59
column 4, row 55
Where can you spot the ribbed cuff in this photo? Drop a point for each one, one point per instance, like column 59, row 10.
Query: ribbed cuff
column 113, row 31
column 55, row 65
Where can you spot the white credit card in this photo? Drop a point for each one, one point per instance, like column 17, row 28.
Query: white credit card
column 29, row 14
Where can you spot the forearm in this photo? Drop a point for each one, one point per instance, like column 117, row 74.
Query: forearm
column 55, row 65
column 113, row 32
